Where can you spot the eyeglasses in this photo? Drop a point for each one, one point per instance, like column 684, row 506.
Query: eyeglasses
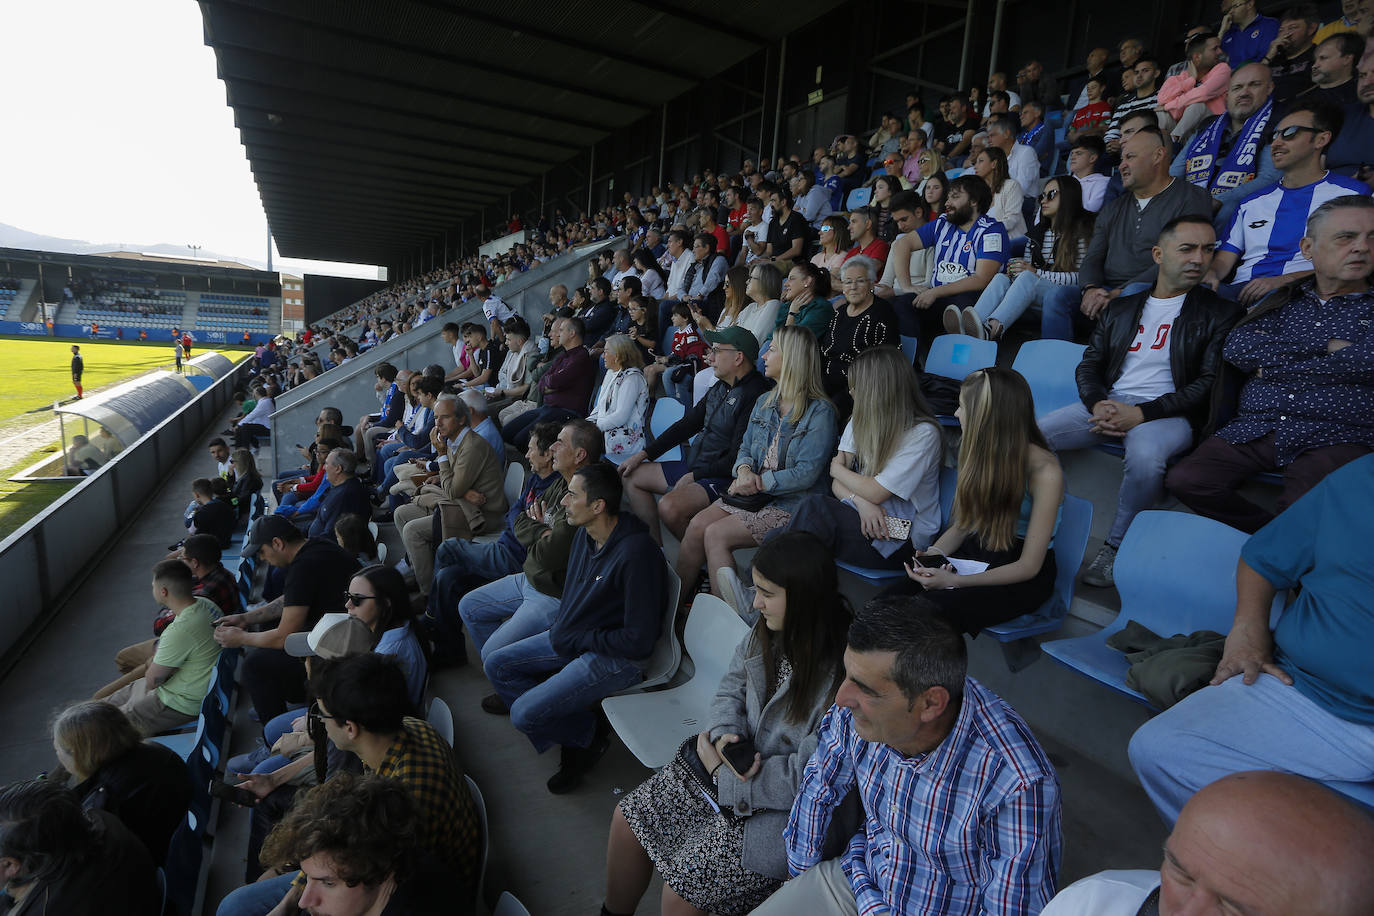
column 717, row 348
column 1049, row 195
column 1292, row 130
column 827, row 228
column 356, row 600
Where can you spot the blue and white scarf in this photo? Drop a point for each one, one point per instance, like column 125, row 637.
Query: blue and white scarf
column 1240, row 163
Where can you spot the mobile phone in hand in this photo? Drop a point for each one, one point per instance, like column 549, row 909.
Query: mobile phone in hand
column 740, row 755
column 932, row 560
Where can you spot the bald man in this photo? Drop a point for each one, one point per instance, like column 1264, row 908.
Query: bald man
column 1260, row 843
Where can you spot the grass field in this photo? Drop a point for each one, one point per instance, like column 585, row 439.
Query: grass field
column 34, row 373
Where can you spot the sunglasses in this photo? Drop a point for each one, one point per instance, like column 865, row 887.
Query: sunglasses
column 356, row 600
column 1049, row 195
column 1292, row 130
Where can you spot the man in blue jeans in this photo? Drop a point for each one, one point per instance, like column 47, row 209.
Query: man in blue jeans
column 1119, row 259
column 1146, row 378
column 601, row 637
column 1297, row 698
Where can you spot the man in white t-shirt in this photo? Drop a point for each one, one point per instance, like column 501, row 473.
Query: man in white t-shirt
column 1261, row 843
column 494, row 309
column 1146, row 377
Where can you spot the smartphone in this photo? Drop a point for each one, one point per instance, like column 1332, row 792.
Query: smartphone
column 298, row 445
column 932, row 560
column 740, row 755
column 225, row 792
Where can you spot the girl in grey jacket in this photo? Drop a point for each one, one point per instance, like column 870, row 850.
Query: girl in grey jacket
column 712, row 831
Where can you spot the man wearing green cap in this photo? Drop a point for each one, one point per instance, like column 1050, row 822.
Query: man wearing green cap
column 720, row 417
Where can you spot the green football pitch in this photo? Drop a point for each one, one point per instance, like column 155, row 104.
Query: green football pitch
column 35, row 373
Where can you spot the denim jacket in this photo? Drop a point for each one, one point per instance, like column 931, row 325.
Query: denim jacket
column 809, row 446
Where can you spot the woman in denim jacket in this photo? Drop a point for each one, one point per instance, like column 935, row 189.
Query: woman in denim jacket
column 784, row 455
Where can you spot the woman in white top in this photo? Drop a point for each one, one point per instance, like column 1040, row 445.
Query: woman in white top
column 885, row 478
column 991, row 166
column 623, row 399
column 835, row 242
column 762, row 289
column 653, row 278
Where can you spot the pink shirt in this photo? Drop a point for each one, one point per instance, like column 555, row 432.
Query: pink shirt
column 1181, row 90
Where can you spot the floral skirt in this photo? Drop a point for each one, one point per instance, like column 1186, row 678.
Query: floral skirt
column 696, row 849
column 758, row 523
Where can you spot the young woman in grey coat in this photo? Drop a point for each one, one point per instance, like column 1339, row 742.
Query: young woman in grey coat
column 716, row 836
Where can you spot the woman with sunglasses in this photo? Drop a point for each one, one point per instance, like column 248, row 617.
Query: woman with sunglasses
column 835, row 243
column 378, row 597
column 1055, row 247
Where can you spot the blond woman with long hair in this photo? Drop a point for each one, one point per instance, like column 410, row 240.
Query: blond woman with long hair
column 886, row 475
column 789, row 439
column 1006, row 509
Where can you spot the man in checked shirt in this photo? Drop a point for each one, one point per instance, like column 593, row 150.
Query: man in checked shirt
column 962, row 803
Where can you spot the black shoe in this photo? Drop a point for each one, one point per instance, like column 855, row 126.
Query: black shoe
column 574, row 763
column 493, row 704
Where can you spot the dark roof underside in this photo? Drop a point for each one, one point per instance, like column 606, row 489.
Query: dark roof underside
column 372, row 126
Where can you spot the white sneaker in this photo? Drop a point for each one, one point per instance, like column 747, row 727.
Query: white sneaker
column 736, row 595
column 953, row 319
column 973, row 325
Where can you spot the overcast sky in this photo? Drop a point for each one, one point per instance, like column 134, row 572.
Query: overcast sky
column 116, row 129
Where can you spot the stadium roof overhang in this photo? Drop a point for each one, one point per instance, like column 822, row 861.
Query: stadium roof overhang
column 371, row 126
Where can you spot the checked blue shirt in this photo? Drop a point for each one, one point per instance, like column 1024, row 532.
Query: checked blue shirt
column 969, row 828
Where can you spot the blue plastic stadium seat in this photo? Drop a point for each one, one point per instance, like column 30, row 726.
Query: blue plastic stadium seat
column 664, row 413
column 1070, row 544
column 859, row 197
column 1048, row 367
column 956, row 355
column 1176, row 573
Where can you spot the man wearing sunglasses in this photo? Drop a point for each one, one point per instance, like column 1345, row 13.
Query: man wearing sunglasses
column 1262, row 242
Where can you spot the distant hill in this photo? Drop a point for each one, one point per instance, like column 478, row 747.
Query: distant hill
column 14, row 237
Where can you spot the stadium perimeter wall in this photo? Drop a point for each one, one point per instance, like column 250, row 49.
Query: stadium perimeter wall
column 48, row 558
column 351, row 387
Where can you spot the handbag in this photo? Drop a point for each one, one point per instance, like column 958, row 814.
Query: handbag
column 690, row 763
column 752, row 503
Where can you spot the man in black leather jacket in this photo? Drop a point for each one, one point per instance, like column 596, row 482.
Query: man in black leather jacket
column 717, row 421
column 1147, row 375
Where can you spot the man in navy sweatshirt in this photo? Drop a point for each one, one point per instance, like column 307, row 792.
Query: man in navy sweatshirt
column 601, row 639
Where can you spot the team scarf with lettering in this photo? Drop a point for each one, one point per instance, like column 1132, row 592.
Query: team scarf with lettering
column 1240, row 163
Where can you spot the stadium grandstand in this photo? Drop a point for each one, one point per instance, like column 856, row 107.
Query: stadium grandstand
column 936, row 419
column 127, row 296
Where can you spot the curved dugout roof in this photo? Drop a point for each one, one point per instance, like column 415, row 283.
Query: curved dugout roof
column 215, row 365
column 131, row 409
column 373, row 125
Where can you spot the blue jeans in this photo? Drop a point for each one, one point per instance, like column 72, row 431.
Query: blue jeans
column 388, row 469
column 261, row 759
column 553, row 698
column 384, row 454
column 1149, row 447
column 678, row 382
column 1006, row 300
column 459, row 567
column 256, row 899
column 1060, row 305
column 1231, row 728
column 517, row 431
column 505, row 611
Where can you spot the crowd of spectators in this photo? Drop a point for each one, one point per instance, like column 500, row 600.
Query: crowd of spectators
column 1202, row 240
